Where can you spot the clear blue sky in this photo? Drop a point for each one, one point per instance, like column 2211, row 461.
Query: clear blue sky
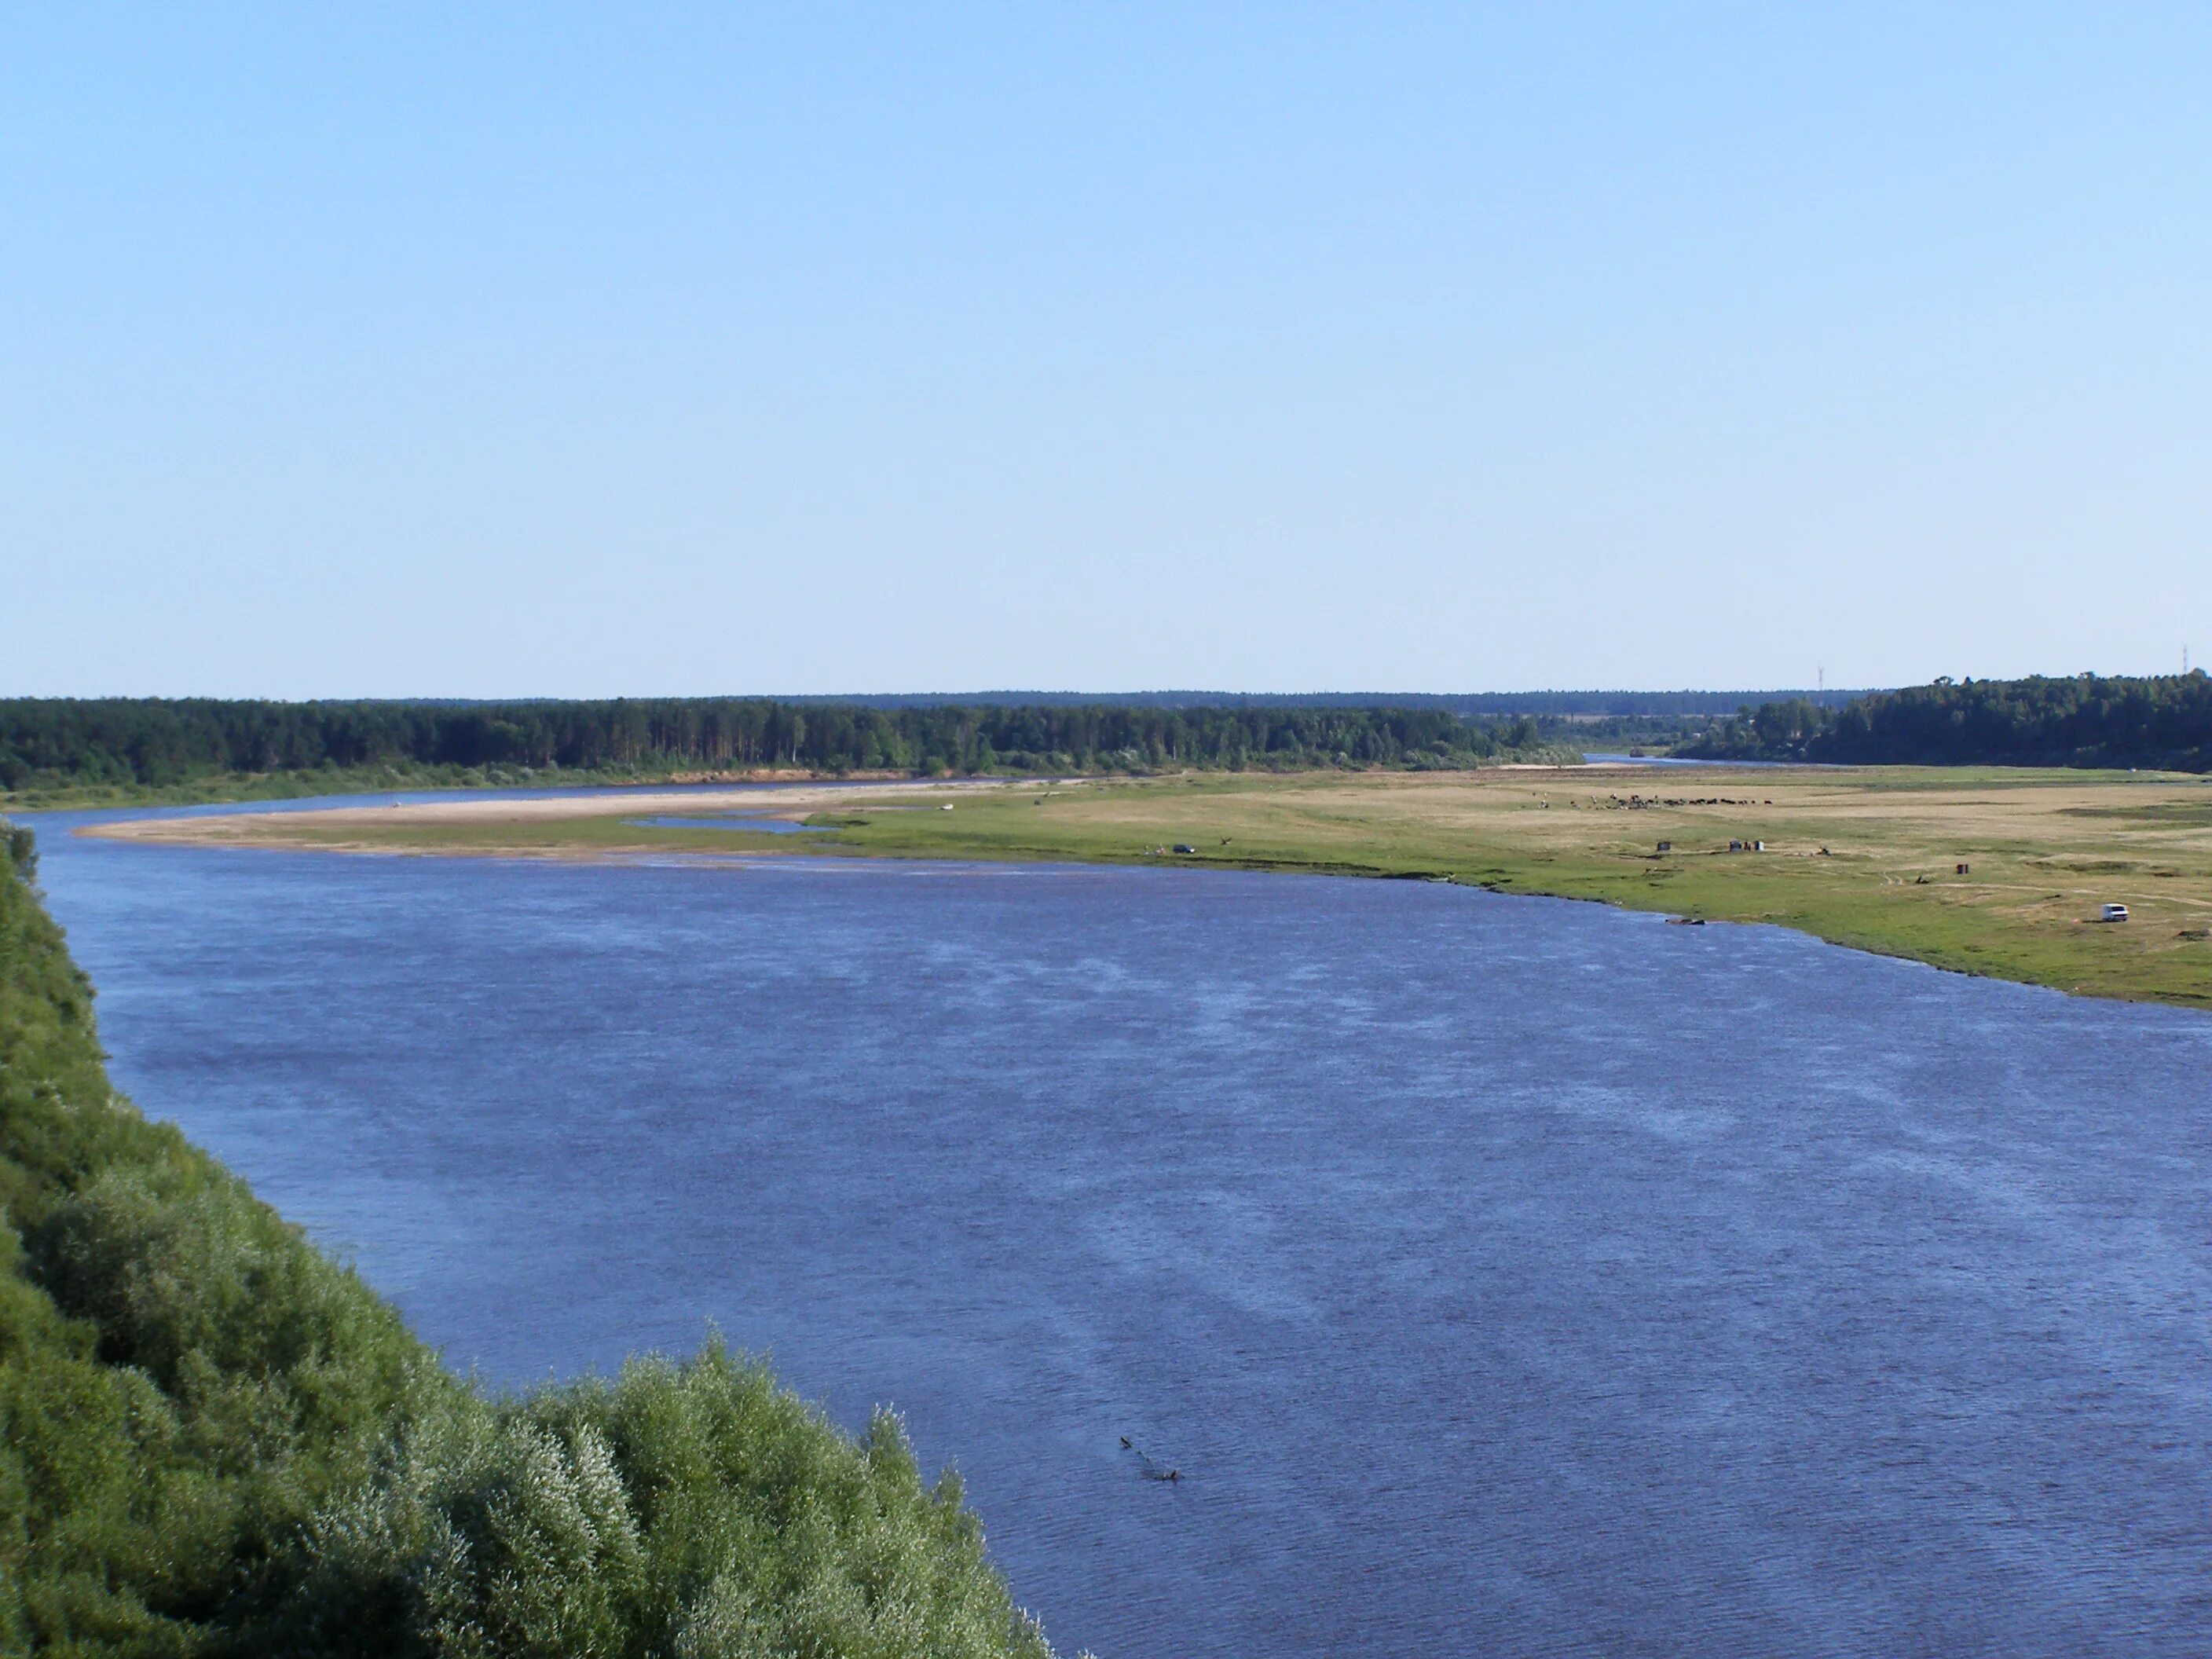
column 549, row 350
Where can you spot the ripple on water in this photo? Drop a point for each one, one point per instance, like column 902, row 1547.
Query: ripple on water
column 1504, row 1275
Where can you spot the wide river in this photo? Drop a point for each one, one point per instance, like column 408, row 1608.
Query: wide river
column 1502, row 1275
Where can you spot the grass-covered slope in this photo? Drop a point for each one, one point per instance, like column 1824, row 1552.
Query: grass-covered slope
column 215, row 1440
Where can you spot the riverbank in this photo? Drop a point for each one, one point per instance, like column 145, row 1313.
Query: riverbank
column 1869, row 859
column 581, row 824
column 221, row 1441
column 233, row 789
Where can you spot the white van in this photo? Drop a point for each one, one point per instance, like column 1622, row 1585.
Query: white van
column 2114, row 913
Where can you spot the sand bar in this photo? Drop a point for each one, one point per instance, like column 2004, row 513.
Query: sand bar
column 791, row 802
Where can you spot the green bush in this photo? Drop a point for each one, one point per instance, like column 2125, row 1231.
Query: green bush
column 693, row 1511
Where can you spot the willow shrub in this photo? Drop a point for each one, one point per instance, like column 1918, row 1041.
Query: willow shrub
column 693, row 1511
column 215, row 1441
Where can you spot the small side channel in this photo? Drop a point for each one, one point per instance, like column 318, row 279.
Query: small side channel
column 768, row 826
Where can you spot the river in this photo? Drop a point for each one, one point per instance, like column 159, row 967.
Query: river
column 1501, row 1275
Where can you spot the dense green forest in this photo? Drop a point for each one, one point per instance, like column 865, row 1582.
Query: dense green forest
column 52, row 746
column 213, row 1440
column 1543, row 705
column 2090, row 720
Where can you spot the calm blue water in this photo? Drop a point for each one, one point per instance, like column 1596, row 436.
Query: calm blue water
column 1505, row 1275
column 1595, row 759
column 729, row 821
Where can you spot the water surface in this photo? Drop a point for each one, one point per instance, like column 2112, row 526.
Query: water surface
column 732, row 821
column 1504, row 1275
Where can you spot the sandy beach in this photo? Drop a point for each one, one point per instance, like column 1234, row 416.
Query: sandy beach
column 792, row 802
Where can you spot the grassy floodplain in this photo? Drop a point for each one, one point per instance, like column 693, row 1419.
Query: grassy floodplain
column 2045, row 848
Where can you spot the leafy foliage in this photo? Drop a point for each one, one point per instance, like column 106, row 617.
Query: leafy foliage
column 689, row 1510
column 2090, row 720
column 57, row 744
column 216, row 1441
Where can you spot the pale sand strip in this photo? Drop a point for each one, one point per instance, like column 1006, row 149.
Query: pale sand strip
column 793, row 802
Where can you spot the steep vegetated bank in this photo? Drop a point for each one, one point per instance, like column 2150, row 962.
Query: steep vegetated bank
column 2163, row 721
column 57, row 747
column 213, row 1440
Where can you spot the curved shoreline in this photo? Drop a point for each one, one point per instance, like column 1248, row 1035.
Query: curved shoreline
column 1994, row 874
column 269, row 829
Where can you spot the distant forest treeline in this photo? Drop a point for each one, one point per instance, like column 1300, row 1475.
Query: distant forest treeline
column 59, row 743
column 1545, row 705
column 2090, row 720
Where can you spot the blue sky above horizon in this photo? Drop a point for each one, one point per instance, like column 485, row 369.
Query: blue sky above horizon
column 659, row 349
